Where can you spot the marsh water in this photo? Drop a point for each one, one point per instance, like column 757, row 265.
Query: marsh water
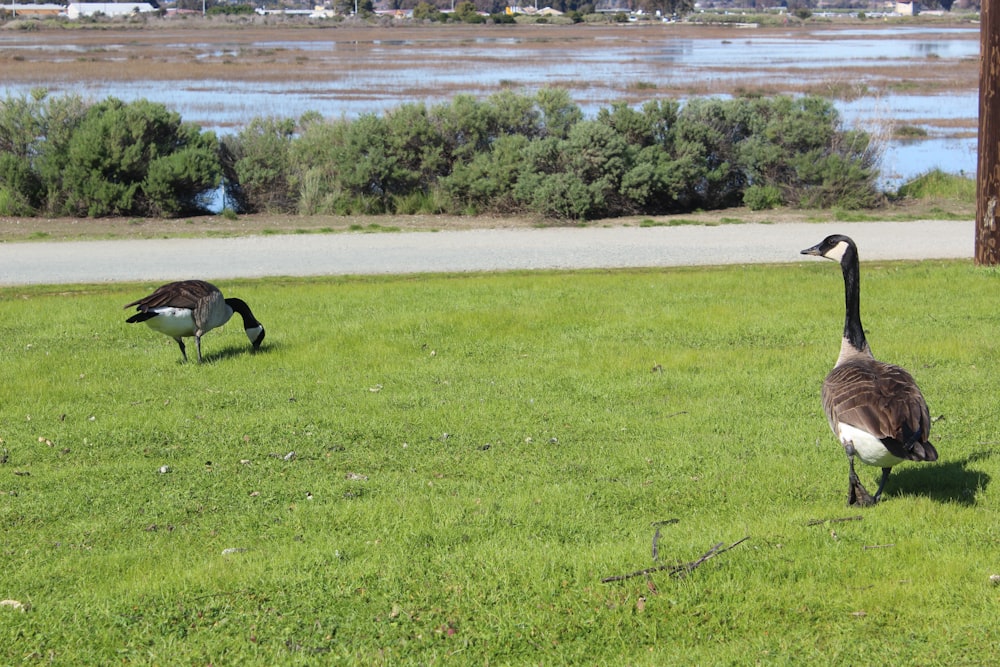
column 222, row 80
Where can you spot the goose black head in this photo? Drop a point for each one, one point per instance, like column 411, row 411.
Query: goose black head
column 835, row 247
column 256, row 335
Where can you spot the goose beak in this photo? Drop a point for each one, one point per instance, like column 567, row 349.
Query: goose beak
column 813, row 251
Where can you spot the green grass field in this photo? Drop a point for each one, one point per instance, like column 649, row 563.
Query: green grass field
column 442, row 470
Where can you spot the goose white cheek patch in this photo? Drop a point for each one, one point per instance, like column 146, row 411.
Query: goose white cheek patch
column 256, row 335
column 836, row 253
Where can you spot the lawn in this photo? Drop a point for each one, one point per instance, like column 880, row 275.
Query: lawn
column 443, row 469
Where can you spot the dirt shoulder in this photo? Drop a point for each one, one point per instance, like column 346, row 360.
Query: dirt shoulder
column 216, row 226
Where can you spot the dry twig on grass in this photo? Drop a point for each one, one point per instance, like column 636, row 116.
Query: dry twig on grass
column 819, row 522
column 656, row 536
column 678, row 570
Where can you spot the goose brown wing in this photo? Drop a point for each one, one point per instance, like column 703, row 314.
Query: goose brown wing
column 183, row 294
column 883, row 400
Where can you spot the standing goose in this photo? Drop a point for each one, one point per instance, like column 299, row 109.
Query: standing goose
column 875, row 409
column 192, row 308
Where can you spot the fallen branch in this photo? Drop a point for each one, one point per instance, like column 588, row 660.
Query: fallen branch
column 818, row 522
column 681, row 569
column 665, row 522
column 878, row 546
column 656, row 536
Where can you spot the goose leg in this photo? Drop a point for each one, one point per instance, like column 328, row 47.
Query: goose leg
column 183, row 351
column 857, row 494
column 197, row 342
column 881, row 484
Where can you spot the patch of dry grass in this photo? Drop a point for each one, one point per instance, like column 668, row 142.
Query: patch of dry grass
column 74, row 229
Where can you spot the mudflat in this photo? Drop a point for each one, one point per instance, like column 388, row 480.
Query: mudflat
column 350, row 55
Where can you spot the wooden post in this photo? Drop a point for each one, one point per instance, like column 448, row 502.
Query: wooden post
column 988, row 168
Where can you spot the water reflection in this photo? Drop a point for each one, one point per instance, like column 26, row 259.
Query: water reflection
column 905, row 159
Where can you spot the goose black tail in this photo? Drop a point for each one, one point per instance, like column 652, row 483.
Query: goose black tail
column 918, row 449
column 141, row 317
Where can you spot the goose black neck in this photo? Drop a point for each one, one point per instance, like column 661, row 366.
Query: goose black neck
column 854, row 333
column 240, row 306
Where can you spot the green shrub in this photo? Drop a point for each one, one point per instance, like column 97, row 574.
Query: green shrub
column 509, row 153
column 558, row 111
column 762, row 197
column 138, row 158
column 708, row 137
column 417, row 146
column 20, row 183
column 367, row 167
column 34, row 136
column 466, row 13
column 578, row 177
column 939, row 184
column 424, row 11
column 257, row 167
column 230, row 10
column 798, row 146
column 421, row 203
column 12, row 203
column 487, row 181
column 909, row 132
column 649, row 126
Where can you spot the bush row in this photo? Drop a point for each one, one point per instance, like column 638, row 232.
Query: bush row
column 508, row 154
column 62, row 156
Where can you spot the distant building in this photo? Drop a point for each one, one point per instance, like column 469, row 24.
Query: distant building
column 532, row 11
column 322, row 12
column 33, row 11
column 80, row 9
column 263, row 11
column 907, row 8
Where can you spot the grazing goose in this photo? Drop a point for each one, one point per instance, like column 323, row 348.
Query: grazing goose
column 874, row 408
column 192, row 308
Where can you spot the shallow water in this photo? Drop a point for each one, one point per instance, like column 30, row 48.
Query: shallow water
column 384, row 73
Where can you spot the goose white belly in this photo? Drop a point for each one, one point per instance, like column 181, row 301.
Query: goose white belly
column 867, row 447
column 174, row 322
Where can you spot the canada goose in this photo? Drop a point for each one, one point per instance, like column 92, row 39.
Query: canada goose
column 192, row 308
column 875, row 409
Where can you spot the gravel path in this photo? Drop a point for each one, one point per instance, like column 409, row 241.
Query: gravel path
column 460, row 251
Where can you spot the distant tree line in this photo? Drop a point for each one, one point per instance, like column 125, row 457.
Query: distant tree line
column 508, row 154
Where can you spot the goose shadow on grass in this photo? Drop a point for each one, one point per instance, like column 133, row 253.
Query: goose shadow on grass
column 947, row 482
column 234, row 351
